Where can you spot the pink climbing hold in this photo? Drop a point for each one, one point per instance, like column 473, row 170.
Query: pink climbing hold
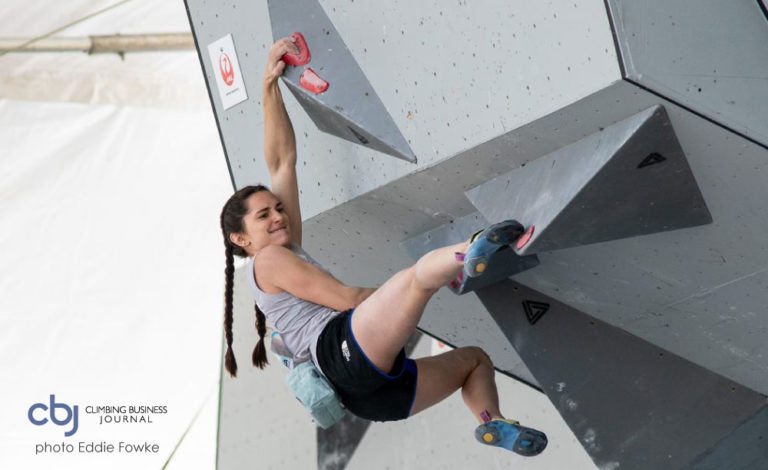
column 310, row 81
column 525, row 238
column 303, row 57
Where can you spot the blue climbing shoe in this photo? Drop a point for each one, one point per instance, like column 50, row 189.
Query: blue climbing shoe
column 486, row 242
column 510, row 435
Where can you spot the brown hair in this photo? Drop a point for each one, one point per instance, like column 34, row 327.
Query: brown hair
column 232, row 222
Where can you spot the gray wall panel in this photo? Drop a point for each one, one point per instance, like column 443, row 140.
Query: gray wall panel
column 639, row 283
column 709, row 55
column 451, row 76
column 632, row 404
column 635, row 283
column 744, row 449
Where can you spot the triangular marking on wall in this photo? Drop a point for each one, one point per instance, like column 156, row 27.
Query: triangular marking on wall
column 535, row 310
column 651, row 159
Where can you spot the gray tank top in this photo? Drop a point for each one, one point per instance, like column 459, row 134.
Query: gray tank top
column 299, row 322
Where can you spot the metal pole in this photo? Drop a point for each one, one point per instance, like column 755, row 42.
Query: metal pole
column 117, row 44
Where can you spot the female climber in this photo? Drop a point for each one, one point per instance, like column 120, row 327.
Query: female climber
column 354, row 335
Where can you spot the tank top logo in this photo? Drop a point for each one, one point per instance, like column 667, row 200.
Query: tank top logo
column 345, row 350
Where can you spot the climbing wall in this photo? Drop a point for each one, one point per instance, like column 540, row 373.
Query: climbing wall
column 637, row 171
column 701, row 54
column 451, row 77
column 349, row 109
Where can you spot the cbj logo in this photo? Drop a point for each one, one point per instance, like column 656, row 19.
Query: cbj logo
column 71, row 415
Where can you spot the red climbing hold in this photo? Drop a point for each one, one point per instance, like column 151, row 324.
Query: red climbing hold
column 525, row 238
column 312, row 82
column 303, row 57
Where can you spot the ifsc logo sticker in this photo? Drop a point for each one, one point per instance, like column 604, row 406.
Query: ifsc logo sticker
column 39, row 418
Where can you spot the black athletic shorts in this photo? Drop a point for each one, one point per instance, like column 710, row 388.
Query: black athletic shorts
column 365, row 390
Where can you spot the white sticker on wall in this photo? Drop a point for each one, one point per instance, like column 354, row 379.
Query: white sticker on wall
column 226, row 71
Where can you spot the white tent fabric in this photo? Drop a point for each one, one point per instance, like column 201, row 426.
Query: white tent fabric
column 156, row 80
column 111, row 181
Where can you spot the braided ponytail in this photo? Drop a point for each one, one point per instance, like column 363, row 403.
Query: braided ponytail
column 260, row 351
column 229, row 358
column 232, row 222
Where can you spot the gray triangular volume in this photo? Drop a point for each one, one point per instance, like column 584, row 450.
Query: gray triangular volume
column 337, row 124
column 630, row 179
column 631, row 404
column 349, row 108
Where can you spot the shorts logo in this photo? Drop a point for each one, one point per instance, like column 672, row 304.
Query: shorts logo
column 345, row 350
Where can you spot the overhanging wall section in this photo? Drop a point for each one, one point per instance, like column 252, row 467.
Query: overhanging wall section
column 477, row 93
column 451, row 77
column 692, row 292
